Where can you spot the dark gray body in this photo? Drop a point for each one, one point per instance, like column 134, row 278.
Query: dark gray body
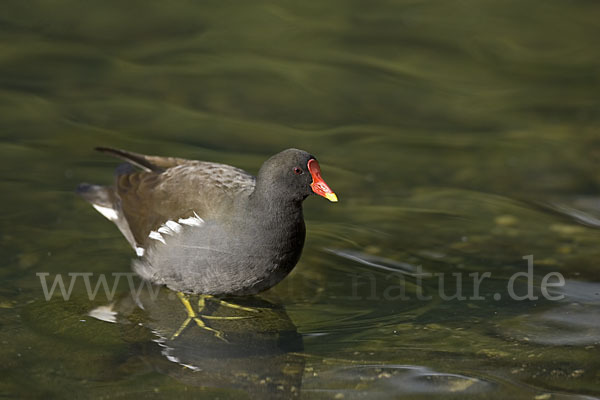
column 206, row 227
column 246, row 255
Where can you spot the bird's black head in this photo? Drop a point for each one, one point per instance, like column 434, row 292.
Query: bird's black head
column 293, row 174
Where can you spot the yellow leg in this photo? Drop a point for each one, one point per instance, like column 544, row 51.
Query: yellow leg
column 227, row 304
column 222, row 318
column 181, row 328
column 193, row 316
column 218, row 334
column 198, row 319
column 202, row 304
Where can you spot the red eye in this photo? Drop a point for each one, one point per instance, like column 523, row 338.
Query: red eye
column 298, row 170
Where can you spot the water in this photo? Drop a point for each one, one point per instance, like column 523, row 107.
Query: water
column 460, row 137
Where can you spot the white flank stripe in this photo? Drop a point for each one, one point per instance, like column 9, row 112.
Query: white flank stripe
column 140, row 251
column 174, row 226
column 170, row 228
column 165, row 229
column 192, row 221
column 156, row 236
column 107, row 212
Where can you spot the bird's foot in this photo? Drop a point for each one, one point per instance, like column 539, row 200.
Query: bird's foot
column 224, row 303
column 191, row 315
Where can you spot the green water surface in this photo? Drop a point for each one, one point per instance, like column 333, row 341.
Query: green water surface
column 460, row 137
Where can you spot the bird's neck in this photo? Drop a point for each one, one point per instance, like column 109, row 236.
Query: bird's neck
column 279, row 221
column 273, row 209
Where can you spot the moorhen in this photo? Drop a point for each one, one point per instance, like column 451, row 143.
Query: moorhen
column 208, row 228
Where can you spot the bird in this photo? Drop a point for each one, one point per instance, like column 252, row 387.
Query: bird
column 208, row 228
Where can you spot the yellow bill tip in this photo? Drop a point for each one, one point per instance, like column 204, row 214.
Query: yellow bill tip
column 331, row 197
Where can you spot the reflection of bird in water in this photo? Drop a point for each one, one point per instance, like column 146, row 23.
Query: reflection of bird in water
column 247, row 343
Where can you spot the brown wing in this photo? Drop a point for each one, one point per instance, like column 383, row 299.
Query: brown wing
column 172, row 188
column 147, row 163
column 149, row 199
